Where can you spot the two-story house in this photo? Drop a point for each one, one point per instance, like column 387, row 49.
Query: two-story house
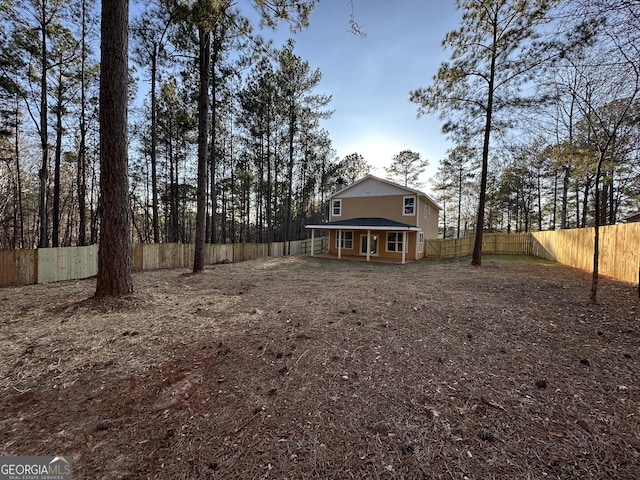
column 376, row 218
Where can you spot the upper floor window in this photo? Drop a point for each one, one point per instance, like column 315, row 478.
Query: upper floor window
column 336, row 208
column 409, row 207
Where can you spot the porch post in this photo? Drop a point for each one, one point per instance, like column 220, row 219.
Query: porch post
column 313, row 238
column 404, row 246
column 368, row 244
column 339, row 236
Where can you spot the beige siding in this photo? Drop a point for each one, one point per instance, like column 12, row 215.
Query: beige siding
column 389, row 207
column 428, row 223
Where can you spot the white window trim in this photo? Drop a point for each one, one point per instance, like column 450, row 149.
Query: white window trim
column 339, row 202
column 399, row 239
column 420, row 242
column 404, row 199
column 340, row 235
column 363, row 237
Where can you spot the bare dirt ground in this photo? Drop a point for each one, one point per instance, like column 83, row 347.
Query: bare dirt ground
column 301, row 368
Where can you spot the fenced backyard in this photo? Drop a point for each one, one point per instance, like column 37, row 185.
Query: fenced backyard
column 619, row 248
column 432, row 369
column 28, row 267
column 619, row 253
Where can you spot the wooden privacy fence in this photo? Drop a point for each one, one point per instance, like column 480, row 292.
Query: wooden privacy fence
column 27, row 267
column 18, row 267
column 154, row 256
column 619, row 253
column 619, row 248
column 496, row 243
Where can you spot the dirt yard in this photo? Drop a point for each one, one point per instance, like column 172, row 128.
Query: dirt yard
column 303, row 368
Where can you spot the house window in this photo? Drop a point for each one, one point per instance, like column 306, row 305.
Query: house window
column 336, row 208
column 427, row 211
column 420, row 242
column 394, row 241
column 409, row 206
column 344, row 239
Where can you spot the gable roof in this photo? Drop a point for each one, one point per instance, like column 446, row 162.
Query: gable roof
column 387, row 183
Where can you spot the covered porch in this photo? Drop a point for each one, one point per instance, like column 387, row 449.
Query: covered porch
column 377, row 239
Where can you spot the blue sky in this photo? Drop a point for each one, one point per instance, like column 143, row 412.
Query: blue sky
column 370, row 78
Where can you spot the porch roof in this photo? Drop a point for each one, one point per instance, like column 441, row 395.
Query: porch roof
column 364, row 223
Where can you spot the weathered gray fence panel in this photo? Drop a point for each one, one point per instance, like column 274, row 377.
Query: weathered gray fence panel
column 67, row 263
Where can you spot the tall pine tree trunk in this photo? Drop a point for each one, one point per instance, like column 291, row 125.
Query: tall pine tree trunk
column 213, row 162
column 154, row 161
column 269, row 189
column 565, row 196
column 596, row 238
column 114, row 253
column 18, row 174
column 55, row 235
column 81, row 179
column 203, row 131
column 287, row 219
column 43, row 174
column 174, row 202
column 539, row 194
column 477, row 247
column 459, row 200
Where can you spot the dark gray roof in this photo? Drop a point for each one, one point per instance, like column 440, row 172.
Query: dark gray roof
column 373, row 222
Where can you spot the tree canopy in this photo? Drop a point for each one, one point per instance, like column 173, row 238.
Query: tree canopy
column 406, row 168
column 538, row 98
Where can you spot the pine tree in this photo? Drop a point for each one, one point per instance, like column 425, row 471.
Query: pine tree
column 493, row 53
column 114, row 254
column 406, row 168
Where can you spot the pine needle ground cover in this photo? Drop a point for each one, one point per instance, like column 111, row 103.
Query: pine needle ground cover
column 296, row 368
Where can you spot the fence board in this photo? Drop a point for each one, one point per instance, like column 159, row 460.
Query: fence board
column 294, row 248
column 619, row 249
column 506, row 243
column 492, row 243
column 455, row 247
column 244, row 251
column 276, row 249
column 18, row 267
column 155, row 256
column 263, row 250
column 67, row 263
